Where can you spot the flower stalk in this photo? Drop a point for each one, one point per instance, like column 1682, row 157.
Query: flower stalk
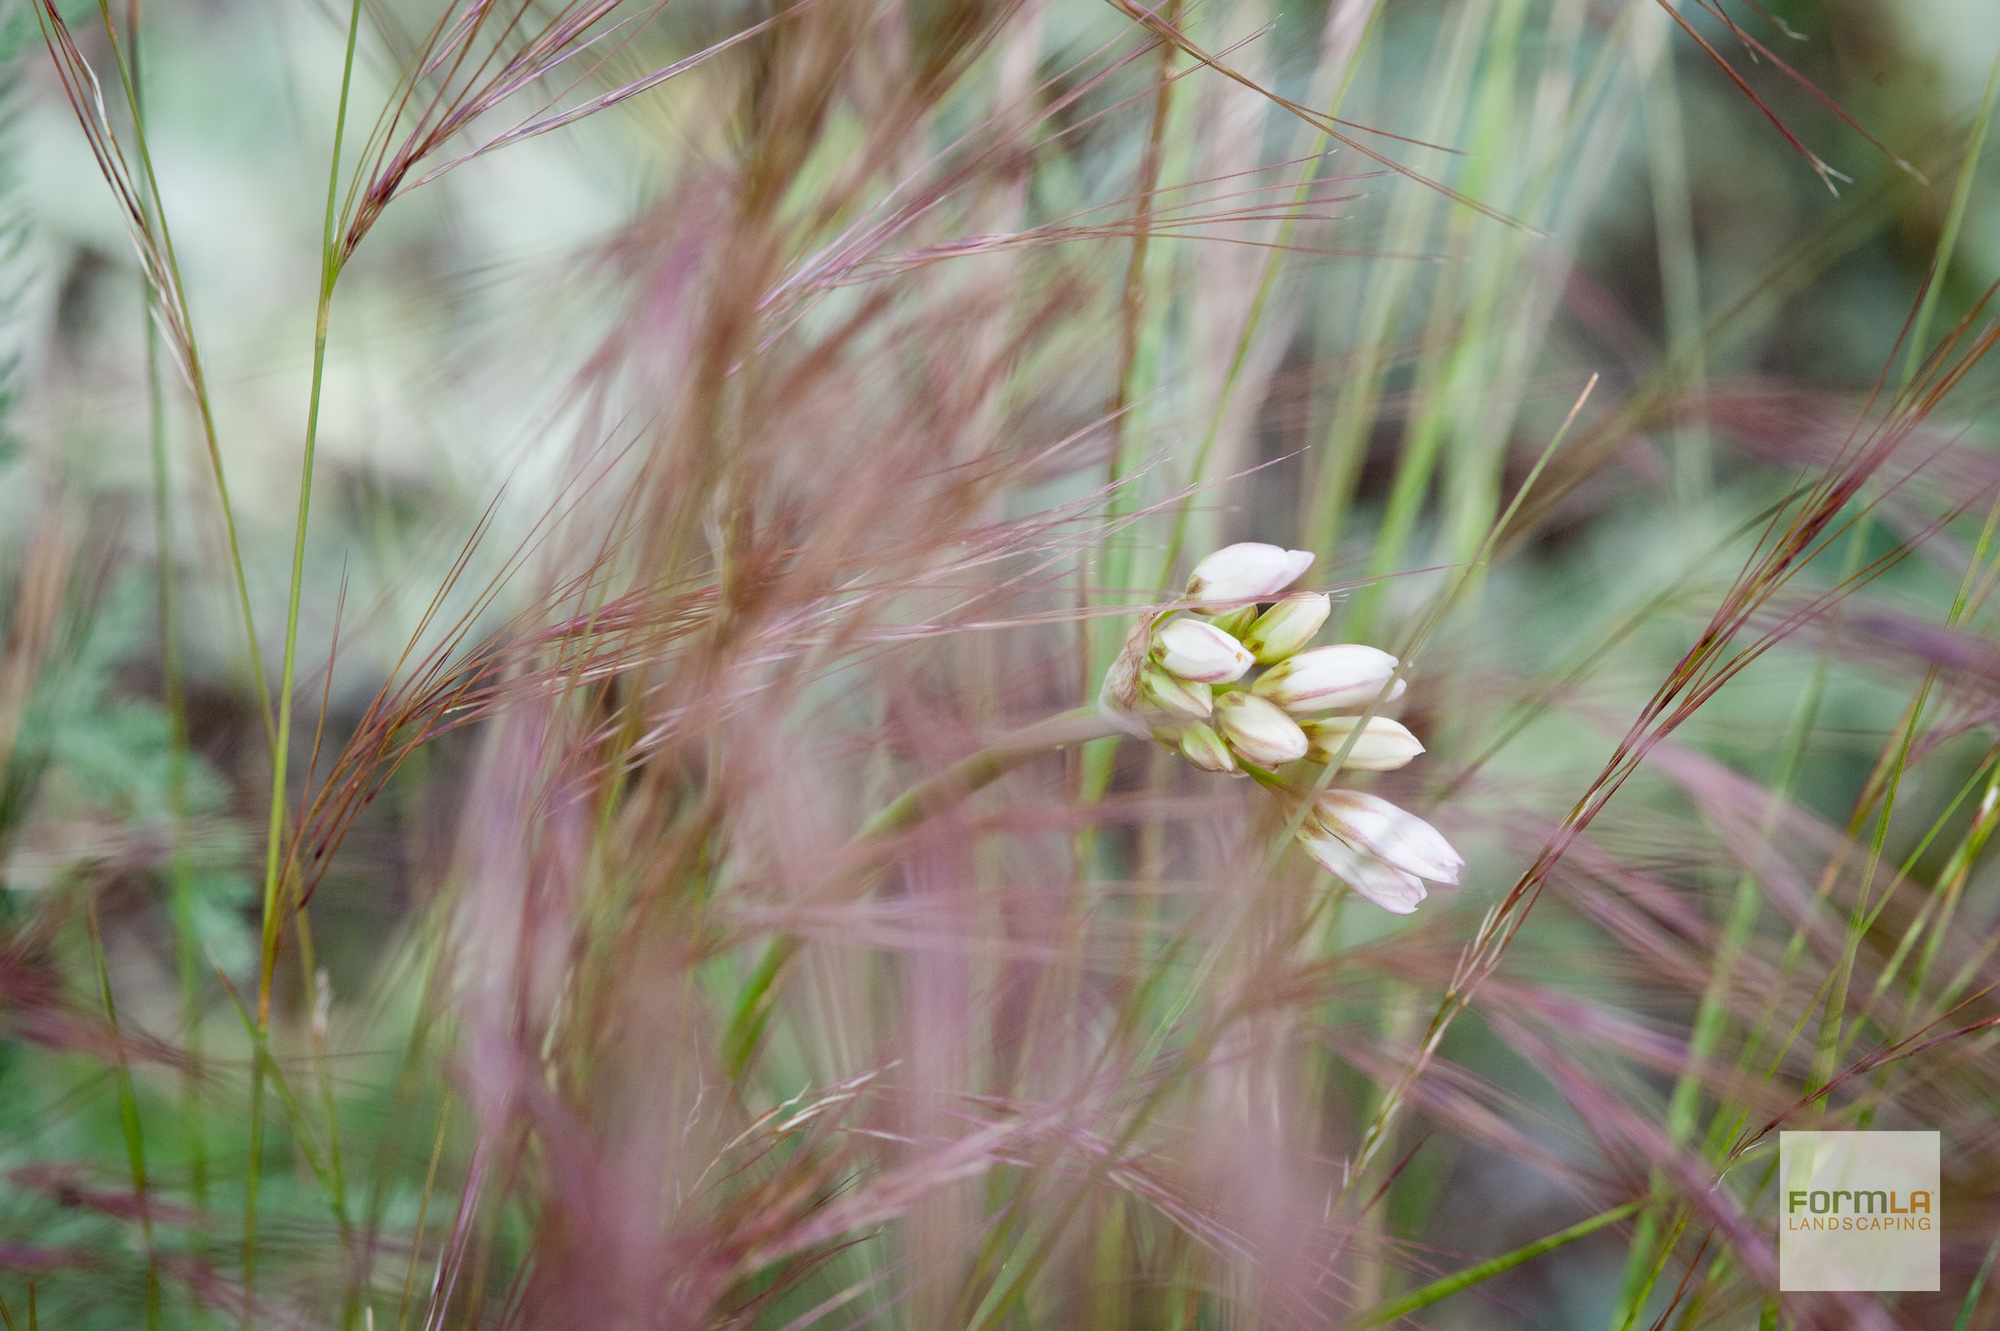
column 1178, row 681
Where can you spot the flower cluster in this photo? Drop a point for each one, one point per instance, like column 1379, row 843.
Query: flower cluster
column 1226, row 677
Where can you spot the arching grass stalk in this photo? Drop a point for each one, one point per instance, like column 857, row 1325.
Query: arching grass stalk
column 1835, row 1037
column 139, row 198
column 1880, row 789
column 155, row 242
column 1646, row 1256
column 180, row 872
column 1830, row 1041
column 331, row 260
column 1719, row 1139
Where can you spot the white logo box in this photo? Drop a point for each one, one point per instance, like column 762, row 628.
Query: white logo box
column 1858, row 1211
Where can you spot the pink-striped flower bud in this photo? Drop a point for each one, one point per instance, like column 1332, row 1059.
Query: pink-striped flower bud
column 1327, row 679
column 1247, row 571
column 1399, row 839
column 1388, row 887
column 1382, row 746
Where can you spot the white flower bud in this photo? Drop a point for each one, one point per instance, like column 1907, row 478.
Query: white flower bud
column 1201, row 653
column 1258, row 731
column 1383, row 747
column 1328, row 678
column 1179, row 696
column 1286, row 626
column 1205, row 749
column 1388, row 887
column 1249, row 571
column 1399, row 839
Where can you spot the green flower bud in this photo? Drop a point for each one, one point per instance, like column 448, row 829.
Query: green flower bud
column 1205, row 749
column 1170, row 693
column 1236, row 622
column 1258, row 730
column 1286, row 626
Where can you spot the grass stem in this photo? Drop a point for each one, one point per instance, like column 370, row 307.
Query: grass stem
column 330, row 265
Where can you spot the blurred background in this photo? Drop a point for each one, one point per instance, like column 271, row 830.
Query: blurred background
column 733, row 414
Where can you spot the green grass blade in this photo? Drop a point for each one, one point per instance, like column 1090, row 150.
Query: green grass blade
column 1961, row 197
column 1971, row 1304
column 1439, row 1290
column 330, row 265
column 128, row 1115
